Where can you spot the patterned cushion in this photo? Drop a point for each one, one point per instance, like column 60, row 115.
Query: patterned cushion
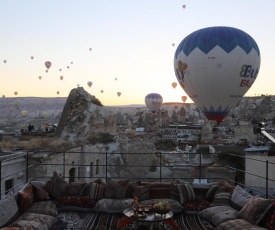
column 74, row 189
column 142, row 192
column 268, row 220
column 159, row 190
column 39, row 194
column 114, row 190
column 253, row 209
column 44, row 207
column 195, row 206
column 97, row 191
column 219, row 214
column 112, row 205
column 222, row 199
column 77, row 201
column 210, row 194
column 238, row 224
column 239, row 198
column 186, row 193
column 200, row 189
column 8, row 209
column 25, row 198
column 33, row 221
column 224, row 184
column 173, row 192
column 56, row 186
column 86, row 190
column 176, row 207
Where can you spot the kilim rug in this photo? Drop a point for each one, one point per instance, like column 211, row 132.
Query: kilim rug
column 102, row 221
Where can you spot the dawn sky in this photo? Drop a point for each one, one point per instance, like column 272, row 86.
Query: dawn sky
column 130, row 41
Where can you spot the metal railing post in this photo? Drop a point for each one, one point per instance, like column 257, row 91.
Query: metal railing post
column 266, row 180
column 64, row 159
column 27, row 167
column 106, row 168
column 0, row 179
column 160, row 167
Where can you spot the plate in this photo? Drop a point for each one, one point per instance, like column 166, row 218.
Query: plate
column 138, row 215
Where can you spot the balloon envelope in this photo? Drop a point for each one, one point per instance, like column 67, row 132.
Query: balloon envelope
column 184, row 98
column 48, row 64
column 39, row 77
column 153, row 101
column 24, row 113
column 216, row 66
column 89, row 83
column 17, row 104
column 45, row 114
column 15, row 93
column 118, row 94
column 61, row 78
column 174, row 85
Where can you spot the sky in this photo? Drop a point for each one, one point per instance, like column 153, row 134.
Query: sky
column 130, row 41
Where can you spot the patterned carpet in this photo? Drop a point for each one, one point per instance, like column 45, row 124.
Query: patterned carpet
column 101, row 221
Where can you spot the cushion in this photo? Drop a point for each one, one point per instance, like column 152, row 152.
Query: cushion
column 176, row 207
column 25, row 198
column 56, row 186
column 195, row 206
column 224, row 184
column 86, row 190
column 159, row 190
column 97, row 191
column 74, row 189
column 38, row 183
column 112, row 205
column 239, row 198
column 186, row 193
column 33, row 221
column 222, row 199
column 10, row 228
column 114, row 190
column 39, row 194
column 44, row 207
column 268, row 219
column 173, row 192
column 8, row 209
column 238, row 224
column 219, row 214
column 253, row 209
column 83, row 202
column 142, row 192
column 200, row 189
column 210, row 194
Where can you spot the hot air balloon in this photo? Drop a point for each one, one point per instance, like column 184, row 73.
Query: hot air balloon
column 72, row 63
column 57, row 92
column 115, row 78
column 89, row 83
column 61, row 78
column 68, row 67
column 15, row 93
column 173, row 44
column 31, row 57
column 216, row 66
column 17, row 104
column 60, row 69
column 39, row 77
column 184, row 98
column 48, row 64
column 90, row 49
column 46, row 71
column 174, row 85
column 118, row 94
column 183, row 6
column 24, row 113
column 153, row 102
column 5, row 61
column 45, row 114
column 101, row 91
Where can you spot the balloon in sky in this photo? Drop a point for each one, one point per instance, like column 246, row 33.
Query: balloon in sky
column 15, row 93
column 39, row 77
column 216, row 66
column 184, row 98
column 118, row 94
column 5, row 61
column 101, row 91
column 173, row 44
column 31, row 57
column 57, row 92
column 183, row 6
column 45, row 114
column 68, row 67
column 174, row 85
column 48, row 64
column 46, row 71
column 24, row 113
column 115, row 78
column 89, row 83
column 60, row 69
column 61, row 78
column 17, row 104
column 153, row 102
column 72, row 62
column 90, row 49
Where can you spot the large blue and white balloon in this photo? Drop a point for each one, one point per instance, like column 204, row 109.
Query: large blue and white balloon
column 153, row 102
column 216, row 66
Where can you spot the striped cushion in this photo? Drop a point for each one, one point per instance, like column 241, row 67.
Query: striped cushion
column 222, row 199
column 228, row 187
column 97, row 191
column 159, row 190
column 210, row 194
column 186, row 193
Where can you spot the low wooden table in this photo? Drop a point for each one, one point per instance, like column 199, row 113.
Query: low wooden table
column 150, row 218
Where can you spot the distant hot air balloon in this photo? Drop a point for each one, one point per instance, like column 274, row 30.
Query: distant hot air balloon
column 60, row 69
column 153, row 102
column 216, row 66
column 31, row 57
column 46, row 71
column 3, row 96
column 118, row 94
column 24, row 113
column 174, row 84
column 39, row 77
column 48, row 64
column 173, row 44
column 57, row 92
column 101, row 91
column 89, row 83
column 184, row 98
column 72, row 62
column 15, row 93
column 115, row 78
column 61, row 78
column 45, row 114
column 90, row 49
column 5, row 61
column 68, row 67
column 17, row 104
column 183, row 6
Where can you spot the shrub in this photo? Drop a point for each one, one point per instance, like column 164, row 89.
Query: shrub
column 103, row 138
